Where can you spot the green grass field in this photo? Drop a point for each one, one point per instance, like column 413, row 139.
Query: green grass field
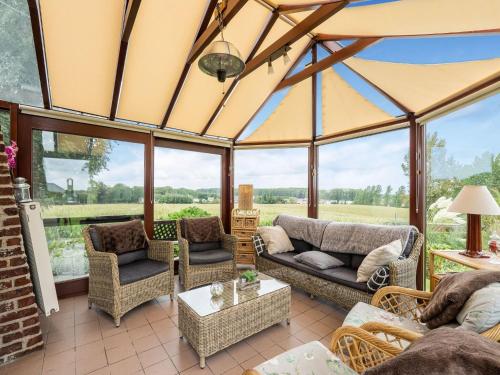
column 347, row 213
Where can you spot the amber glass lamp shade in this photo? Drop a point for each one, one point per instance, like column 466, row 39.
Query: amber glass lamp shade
column 245, row 197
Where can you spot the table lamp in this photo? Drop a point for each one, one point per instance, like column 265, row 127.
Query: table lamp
column 245, row 197
column 474, row 201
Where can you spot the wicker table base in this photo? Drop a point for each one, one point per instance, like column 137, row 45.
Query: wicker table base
column 241, row 315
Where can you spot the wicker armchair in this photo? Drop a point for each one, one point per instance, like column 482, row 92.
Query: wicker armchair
column 374, row 342
column 105, row 289
column 192, row 275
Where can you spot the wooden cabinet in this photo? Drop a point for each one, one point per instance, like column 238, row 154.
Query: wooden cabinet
column 243, row 225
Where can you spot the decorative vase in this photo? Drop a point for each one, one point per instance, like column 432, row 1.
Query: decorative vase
column 216, row 289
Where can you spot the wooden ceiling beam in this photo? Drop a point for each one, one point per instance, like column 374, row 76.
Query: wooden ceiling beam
column 208, row 35
column 298, row 31
column 327, row 62
column 131, row 14
column 203, row 27
column 36, row 27
column 260, row 40
column 292, row 67
column 321, row 37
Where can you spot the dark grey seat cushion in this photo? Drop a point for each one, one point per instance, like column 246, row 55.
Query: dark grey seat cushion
column 132, row 256
column 202, row 246
column 209, row 256
column 340, row 275
column 96, row 238
column 140, row 270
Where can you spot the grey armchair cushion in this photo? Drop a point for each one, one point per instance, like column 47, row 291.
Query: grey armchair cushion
column 132, row 256
column 209, row 256
column 202, row 246
column 140, row 270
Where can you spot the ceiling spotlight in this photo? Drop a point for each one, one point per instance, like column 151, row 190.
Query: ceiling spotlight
column 270, row 69
column 286, row 58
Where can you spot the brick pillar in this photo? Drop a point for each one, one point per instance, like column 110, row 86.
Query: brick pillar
column 19, row 322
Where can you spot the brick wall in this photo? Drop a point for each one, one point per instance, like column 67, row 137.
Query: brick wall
column 19, row 323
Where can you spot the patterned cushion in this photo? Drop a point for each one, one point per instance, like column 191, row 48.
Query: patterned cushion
column 258, row 244
column 122, row 237
column 310, row 358
column 362, row 313
column 379, row 279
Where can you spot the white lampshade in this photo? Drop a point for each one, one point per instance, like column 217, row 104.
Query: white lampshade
column 475, row 200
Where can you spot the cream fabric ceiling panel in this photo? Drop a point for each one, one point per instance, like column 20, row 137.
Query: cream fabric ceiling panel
column 82, row 40
column 201, row 94
column 292, row 118
column 344, row 108
column 253, row 90
column 420, row 86
column 414, row 17
column 162, row 36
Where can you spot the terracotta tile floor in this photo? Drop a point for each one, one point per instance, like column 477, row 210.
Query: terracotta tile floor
column 82, row 341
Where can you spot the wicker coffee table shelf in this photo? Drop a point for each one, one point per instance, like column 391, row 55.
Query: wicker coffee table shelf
column 213, row 324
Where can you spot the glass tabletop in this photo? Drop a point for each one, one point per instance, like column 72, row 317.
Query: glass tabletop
column 202, row 302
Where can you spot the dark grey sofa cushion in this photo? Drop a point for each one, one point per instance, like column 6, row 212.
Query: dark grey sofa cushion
column 209, row 256
column 140, row 270
column 318, row 259
column 132, row 256
column 340, row 275
column 301, row 246
column 202, row 246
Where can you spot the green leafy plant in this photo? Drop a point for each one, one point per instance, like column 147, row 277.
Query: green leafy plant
column 250, row 276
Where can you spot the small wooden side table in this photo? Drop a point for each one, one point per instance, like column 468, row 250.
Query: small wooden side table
column 454, row 256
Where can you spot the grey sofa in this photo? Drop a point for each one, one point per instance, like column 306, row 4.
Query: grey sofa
column 347, row 242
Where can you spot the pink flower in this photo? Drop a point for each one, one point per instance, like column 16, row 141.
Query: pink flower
column 11, row 152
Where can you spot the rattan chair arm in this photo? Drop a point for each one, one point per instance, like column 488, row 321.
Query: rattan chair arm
column 183, row 250
column 251, row 372
column 229, row 243
column 161, row 250
column 493, row 333
column 402, row 333
column 359, row 334
column 398, row 290
column 103, row 270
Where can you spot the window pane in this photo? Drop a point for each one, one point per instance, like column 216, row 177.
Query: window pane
column 5, row 126
column 462, row 149
column 76, row 178
column 187, row 184
column 19, row 79
column 365, row 180
column 279, row 178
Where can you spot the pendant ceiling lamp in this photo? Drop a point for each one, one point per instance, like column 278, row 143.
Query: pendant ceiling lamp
column 221, row 59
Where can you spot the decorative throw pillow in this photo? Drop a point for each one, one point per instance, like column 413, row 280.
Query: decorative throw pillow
column 318, row 260
column 380, row 278
column 276, row 239
column 379, row 257
column 258, row 244
column 122, row 237
column 482, row 310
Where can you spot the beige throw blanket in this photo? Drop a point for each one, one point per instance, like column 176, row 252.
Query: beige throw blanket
column 451, row 294
column 445, row 351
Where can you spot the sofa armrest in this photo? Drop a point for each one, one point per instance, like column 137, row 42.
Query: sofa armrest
column 162, row 251
column 403, row 272
column 183, row 251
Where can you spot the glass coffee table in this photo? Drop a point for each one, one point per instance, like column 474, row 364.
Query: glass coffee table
column 212, row 324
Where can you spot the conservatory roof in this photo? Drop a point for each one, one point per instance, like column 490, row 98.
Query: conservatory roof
column 137, row 61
